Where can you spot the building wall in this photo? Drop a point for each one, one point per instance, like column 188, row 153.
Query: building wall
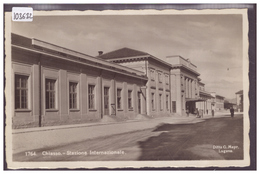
column 154, row 86
column 177, row 91
column 62, row 73
column 219, row 103
column 205, row 106
column 139, row 65
column 167, row 90
column 239, row 102
column 159, row 86
column 186, row 87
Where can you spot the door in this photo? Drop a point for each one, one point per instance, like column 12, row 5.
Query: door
column 174, row 106
column 139, row 102
column 106, row 101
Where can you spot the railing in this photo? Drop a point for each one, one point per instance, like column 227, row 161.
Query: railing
column 178, row 60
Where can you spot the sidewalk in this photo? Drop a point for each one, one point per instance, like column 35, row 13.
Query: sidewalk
column 44, row 137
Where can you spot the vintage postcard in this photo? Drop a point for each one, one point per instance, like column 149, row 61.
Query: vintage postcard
column 129, row 88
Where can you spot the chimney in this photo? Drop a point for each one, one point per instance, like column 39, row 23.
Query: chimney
column 100, row 53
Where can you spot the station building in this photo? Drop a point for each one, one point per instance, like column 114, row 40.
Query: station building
column 157, row 87
column 172, row 85
column 53, row 85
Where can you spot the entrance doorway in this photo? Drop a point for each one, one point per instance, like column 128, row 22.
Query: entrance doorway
column 106, row 100
column 139, row 102
column 190, row 105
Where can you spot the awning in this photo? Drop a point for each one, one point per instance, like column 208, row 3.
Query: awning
column 194, row 99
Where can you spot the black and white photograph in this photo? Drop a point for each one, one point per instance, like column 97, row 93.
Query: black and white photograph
column 127, row 88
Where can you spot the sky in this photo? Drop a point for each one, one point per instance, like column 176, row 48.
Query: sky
column 212, row 42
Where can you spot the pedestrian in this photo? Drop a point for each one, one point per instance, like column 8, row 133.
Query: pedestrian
column 202, row 112
column 197, row 112
column 212, row 112
column 232, row 112
column 187, row 112
column 207, row 112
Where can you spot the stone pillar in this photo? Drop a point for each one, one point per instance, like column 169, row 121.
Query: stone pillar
column 143, row 100
column 134, row 100
column 178, row 95
column 99, row 98
column 190, row 88
column 204, row 107
column 63, row 93
column 148, row 100
column 83, row 94
column 113, row 98
column 164, row 99
column 193, row 89
column 35, row 92
column 125, row 97
column 186, row 88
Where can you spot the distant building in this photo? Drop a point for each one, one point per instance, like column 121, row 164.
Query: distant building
column 218, row 101
column 205, row 102
column 239, row 99
column 228, row 105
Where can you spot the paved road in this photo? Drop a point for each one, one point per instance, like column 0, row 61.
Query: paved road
column 44, row 137
column 217, row 138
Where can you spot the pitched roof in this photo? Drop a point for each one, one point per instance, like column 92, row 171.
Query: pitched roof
column 41, row 47
column 123, row 52
column 239, row 92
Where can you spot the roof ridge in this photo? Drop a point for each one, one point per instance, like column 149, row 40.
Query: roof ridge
column 122, row 52
column 124, row 48
column 136, row 50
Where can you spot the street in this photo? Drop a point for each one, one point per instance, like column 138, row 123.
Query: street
column 212, row 139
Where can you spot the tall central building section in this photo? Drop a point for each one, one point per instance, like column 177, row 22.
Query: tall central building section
column 184, row 85
column 156, row 92
column 173, row 83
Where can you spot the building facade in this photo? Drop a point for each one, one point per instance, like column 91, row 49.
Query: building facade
column 172, row 85
column 157, row 88
column 206, row 103
column 228, row 105
column 184, row 81
column 53, row 85
column 218, row 101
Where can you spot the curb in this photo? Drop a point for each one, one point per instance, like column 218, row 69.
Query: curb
column 48, row 128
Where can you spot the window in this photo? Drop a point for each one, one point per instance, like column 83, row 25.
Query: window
column 91, row 96
column 160, row 77
column 50, row 93
column 167, row 79
column 152, row 102
column 152, row 74
column 160, row 100
column 21, row 92
column 73, row 95
column 119, row 106
column 174, row 106
column 167, row 102
column 129, row 99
